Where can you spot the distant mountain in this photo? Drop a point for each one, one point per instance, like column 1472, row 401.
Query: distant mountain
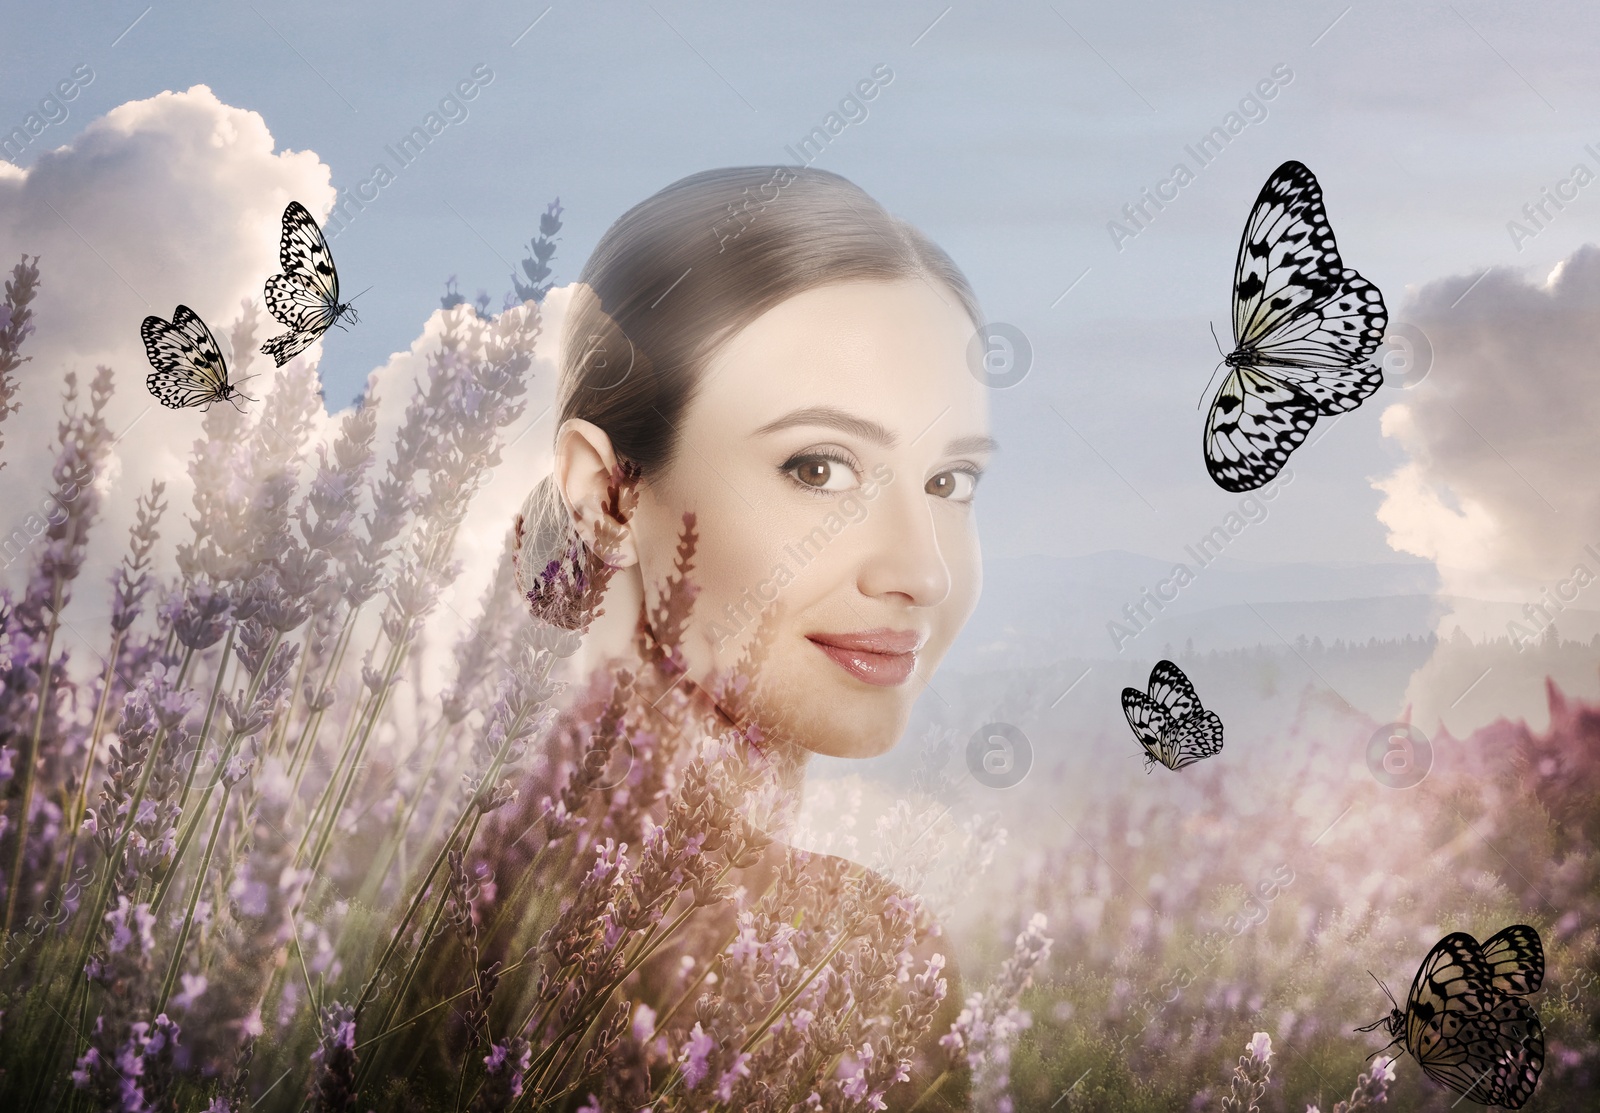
column 1038, row 608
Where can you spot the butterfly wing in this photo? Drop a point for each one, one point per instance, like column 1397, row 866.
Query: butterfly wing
column 1514, row 959
column 1148, row 720
column 304, row 255
column 299, row 308
column 1326, row 352
column 1450, row 976
column 1290, row 283
column 1466, row 1034
column 1285, row 256
column 1309, row 325
column 189, row 368
column 1511, row 1032
column 1198, row 736
column 1254, row 423
column 1494, row 1056
column 1171, row 689
column 305, row 297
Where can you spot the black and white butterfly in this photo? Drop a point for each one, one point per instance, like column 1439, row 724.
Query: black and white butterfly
column 189, row 368
column 1465, row 1020
column 1304, row 329
column 1168, row 720
column 305, row 297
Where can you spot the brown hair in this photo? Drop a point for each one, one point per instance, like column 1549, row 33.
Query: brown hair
column 684, row 270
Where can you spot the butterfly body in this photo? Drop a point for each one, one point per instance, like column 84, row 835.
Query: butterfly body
column 189, row 368
column 1304, row 328
column 1466, row 1021
column 1168, row 720
column 305, row 297
column 1245, row 356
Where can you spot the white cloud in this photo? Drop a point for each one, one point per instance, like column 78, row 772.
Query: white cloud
column 172, row 199
column 179, row 198
column 1499, row 489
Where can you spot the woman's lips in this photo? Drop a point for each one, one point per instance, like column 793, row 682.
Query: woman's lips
column 882, row 658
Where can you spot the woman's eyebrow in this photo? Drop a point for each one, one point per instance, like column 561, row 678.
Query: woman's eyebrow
column 971, row 444
column 833, row 418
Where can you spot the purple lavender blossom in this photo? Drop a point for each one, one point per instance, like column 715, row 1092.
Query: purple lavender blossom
column 504, row 1067
column 16, row 322
column 333, row 1078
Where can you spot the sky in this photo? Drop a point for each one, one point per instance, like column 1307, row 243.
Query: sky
column 1013, row 134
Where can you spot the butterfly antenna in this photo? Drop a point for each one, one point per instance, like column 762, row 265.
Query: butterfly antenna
column 1220, row 362
column 1379, row 1022
column 1383, row 987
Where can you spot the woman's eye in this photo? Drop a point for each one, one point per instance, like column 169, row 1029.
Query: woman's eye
column 958, row 486
column 823, row 473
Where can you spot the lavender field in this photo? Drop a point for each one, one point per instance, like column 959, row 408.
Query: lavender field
column 1256, row 897
column 276, row 836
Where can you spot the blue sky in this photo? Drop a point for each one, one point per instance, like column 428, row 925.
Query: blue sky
column 1011, row 133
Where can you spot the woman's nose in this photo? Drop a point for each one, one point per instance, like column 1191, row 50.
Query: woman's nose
column 902, row 554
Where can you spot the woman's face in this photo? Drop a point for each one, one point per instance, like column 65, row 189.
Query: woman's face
column 830, row 455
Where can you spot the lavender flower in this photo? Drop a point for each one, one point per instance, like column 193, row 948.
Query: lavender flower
column 202, row 618
column 1250, row 1076
column 251, row 936
column 131, row 581
column 990, row 1022
column 1372, row 1088
column 695, row 1055
column 333, row 1076
column 504, row 1067
column 16, row 322
column 537, row 265
column 149, row 819
column 130, row 1063
column 329, row 508
column 37, row 687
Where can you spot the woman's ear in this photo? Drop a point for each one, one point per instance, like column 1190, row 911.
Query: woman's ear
column 584, row 465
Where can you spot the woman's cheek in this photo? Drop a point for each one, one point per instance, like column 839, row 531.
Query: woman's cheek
column 743, row 581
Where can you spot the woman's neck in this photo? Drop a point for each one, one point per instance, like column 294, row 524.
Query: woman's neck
column 612, row 642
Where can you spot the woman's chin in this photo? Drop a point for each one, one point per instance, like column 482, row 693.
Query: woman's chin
column 835, row 715
column 852, row 741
